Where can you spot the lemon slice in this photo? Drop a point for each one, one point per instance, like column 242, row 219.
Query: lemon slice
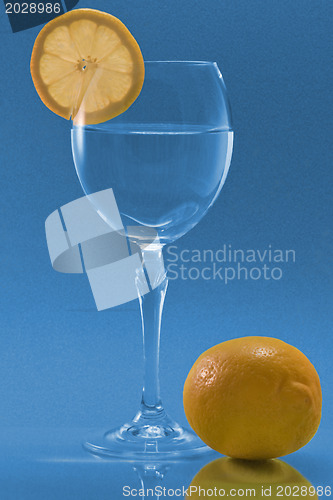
column 87, row 66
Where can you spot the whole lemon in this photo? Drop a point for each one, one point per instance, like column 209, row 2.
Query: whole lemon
column 253, row 398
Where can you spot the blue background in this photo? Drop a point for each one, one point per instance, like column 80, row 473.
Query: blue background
column 63, row 364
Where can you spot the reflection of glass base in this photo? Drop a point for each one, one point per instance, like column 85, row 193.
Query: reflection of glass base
column 138, row 440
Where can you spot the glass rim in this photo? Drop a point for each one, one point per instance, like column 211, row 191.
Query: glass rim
column 185, row 62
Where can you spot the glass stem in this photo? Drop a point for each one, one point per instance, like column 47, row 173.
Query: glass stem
column 151, row 305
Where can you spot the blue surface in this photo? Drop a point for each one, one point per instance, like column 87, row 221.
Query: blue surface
column 62, row 363
column 54, row 466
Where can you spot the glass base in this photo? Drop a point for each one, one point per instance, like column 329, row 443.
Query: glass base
column 138, row 440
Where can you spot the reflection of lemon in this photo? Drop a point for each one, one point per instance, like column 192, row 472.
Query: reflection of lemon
column 233, row 477
column 253, row 398
column 86, row 65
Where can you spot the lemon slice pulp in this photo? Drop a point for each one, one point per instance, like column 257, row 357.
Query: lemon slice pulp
column 87, row 66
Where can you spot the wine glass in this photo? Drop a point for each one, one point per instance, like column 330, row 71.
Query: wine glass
column 166, row 159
